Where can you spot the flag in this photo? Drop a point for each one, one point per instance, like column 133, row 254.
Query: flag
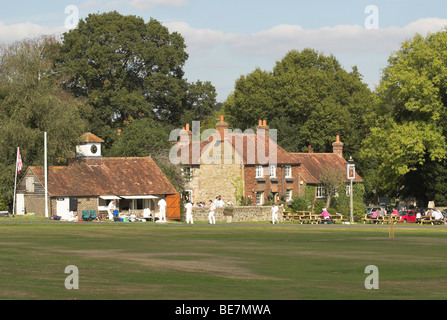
column 19, row 161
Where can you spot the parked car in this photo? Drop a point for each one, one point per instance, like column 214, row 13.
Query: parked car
column 369, row 210
column 408, row 216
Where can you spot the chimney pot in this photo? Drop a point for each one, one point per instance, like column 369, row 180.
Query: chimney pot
column 187, row 127
column 264, row 123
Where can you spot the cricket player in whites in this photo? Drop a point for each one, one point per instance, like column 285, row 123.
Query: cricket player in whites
column 211, row 215
column 188, row 207
column 275, row 213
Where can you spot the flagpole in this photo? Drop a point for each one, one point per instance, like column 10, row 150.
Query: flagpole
column 15, row 184
column 46, row 175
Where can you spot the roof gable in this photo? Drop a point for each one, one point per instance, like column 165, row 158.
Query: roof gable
column 313, row 165
column 106, row 176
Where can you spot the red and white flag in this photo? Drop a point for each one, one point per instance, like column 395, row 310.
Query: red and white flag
column 19, row 161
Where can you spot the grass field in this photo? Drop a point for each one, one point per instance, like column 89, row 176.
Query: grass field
column 221, row 262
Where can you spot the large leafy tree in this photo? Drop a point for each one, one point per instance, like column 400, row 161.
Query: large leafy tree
column 407, row 145
column 32, row 102
column 128, row 70
column 308, row 97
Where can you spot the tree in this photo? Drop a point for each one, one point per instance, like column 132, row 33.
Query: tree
column 141, row 138
column 407, row 143
column 32, row 102
column 309, row 97
column 332, row 181
column 128, row 69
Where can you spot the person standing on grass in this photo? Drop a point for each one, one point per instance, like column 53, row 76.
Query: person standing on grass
column 274, row 213
column 211, row 215
column 111, row 209
column 188, row 207
column 162, row 209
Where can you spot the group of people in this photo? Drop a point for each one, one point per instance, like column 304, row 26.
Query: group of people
column 432, row 213
column 375, row 214
column 217, row 203
column 113, row 212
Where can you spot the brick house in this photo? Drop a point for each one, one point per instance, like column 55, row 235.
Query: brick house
column 235, row 164
column 313, row 165
column 90, row 182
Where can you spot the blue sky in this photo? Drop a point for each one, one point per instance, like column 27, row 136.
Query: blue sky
column 227, row 39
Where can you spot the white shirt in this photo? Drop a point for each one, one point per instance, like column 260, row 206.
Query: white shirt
column 438, row 215
column 111, row 207
column 220, row 203
column 162, row 204
column 274, row 210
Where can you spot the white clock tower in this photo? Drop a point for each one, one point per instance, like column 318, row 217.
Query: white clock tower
column 90, row 146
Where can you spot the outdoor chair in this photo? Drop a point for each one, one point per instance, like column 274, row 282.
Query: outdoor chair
column 85, row 215
column 92, row 215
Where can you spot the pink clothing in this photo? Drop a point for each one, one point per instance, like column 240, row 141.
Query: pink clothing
column 325, row 215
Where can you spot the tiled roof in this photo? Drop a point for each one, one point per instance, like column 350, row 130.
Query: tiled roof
column 90, row 138
column 246, row 147
column 313, row 165
column 106, row 176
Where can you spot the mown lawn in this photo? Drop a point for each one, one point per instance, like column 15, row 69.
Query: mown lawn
column 231, row 262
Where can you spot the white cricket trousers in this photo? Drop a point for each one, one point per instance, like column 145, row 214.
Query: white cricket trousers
column 189, row 218
column 211, row 218
column 275, row 218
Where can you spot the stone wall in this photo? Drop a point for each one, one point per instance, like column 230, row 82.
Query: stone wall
column 240, row 214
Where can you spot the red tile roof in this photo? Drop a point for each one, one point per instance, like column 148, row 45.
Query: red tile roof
column 90, row 138
column 106, row 176
column 313, row 164
column 245, row 146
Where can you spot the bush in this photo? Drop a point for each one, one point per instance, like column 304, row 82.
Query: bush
column 299, row 203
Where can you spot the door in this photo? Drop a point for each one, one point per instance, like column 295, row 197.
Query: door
column 173, row 207
column 63, row 207
column 20, row 204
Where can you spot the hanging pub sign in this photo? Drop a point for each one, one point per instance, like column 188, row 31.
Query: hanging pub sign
column 351, row 171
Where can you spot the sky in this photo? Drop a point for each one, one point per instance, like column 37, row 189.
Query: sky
column 229, row 38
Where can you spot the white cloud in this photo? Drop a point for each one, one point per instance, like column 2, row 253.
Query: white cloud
column 283, row 38
column 20, row 31
column 148, row 4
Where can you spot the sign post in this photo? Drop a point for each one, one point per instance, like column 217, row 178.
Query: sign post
column 351, row 177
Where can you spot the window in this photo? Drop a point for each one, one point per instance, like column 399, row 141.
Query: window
column 289, row 195
column 288, row 171
column 30, row 184
column 260, row 198
column 187, row 173
column 272, row 171
column 321, row 192
column 259, row 172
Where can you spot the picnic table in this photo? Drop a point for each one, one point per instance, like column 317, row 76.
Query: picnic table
column 307, row 217
column 430, row 220
column 381, row 219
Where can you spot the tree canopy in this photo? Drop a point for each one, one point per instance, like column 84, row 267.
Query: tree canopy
column 128, row 69
column 407, row 143
column 32, row 102
column 309, row 97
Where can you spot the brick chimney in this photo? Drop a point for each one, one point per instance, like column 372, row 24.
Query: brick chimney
column 337, row 146
column 221, row 126
column 263, row 125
